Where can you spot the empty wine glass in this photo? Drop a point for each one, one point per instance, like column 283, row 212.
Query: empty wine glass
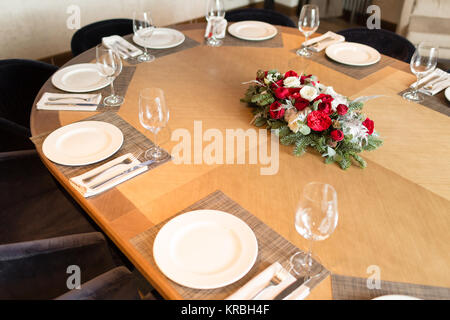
column 316, row 218
column 308, row 22
column 109, row 65
column 143, row 29
column 153, row 115
column 423, row 62
column 215, row 12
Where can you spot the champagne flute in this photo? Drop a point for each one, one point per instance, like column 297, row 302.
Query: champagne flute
column 423, row 62
column 215, row 12
column 109, row 65
column 315, row 219
column 143, row 29
column 308, row 22
column 153, row 116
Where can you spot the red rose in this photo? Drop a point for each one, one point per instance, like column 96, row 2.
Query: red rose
column 342, row 109
column 293, row 90
column 369, row 124
column 318, row 121
column 295, row 95
column 303, row 78
column 276, row 110
column 337, row 135
column 301, row 104
column 290, row 73
column 277, row 84
column 281, row 93
column 325, row 105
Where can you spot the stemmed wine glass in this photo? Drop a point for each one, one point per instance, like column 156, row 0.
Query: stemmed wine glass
column 315, row 219
column 308, row 22
column 422, row 63
column 215, row 12
column 109, row 65
column 153, row 115
column 143, row 29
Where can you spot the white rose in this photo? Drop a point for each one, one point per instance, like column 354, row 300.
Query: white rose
column 309, row 93
column 291, row 82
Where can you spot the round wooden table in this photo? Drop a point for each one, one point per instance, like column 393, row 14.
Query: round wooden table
column 395, row 214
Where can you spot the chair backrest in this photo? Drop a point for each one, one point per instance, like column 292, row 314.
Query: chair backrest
column 91, row 35
column 20, row 82
column 386, row 42
column 263, row 15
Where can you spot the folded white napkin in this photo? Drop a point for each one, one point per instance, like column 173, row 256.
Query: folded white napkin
column 85, row 188
column 221, row 26
column 44, row 99
column 252, row 289
column 336, row 38
column 119, row 44
column 441, row 85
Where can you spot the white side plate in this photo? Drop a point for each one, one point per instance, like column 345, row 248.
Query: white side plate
column 162, row 38
column 82, row 143
column 83, row 77
column 252, row 30
column 205, row 249
column 447, row 94
column 353, row 54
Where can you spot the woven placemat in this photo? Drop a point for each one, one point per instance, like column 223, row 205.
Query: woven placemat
column 353, row 288
column 354, row 72
column 272, row 247
column 133, row 141
column 121, row 84
column 437, row 102
column 275, row 42
column 158, row 53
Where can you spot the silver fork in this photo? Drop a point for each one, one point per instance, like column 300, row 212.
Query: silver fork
column 81, row 98
column 277, row 278
column 127, row 160
column 429, row 86
column 320, row 41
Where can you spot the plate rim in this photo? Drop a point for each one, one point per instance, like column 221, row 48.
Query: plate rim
column 164, row 47
column 447, row 93
column 73, row 66
column 57, row 161
column 189, row 284
column 252, row 39
column 328, row 49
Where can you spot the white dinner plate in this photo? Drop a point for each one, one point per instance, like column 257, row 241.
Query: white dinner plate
column 396, row 297
column 205, row 249
column 353, row 54
column 252, row 30
column 82, row 143
column 447, row 94
column 162, row 38
column 83, row 77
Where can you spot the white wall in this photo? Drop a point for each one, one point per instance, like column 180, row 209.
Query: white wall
column 34, row 29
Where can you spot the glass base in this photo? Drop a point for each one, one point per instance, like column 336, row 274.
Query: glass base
column 145, row 58
column 113, row 101
column 413, row 96
column 214, row 42
column 301, row 267
column 303, row 52
column 156, row 154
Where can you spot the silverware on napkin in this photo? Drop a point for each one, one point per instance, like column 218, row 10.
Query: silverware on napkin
column 143, row 164
column 74, row 104
column 127, row 160
column 290, row 288
column 315, row 44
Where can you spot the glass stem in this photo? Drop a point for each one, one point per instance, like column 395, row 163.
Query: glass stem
column 213, row 29
column 306, row 40
column 416, row 87
column 309, row 259
column 145, row 51
column 112, row 87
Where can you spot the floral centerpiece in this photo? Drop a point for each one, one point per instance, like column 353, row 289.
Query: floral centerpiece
column 306, row 113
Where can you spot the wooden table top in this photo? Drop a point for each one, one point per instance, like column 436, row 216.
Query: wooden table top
column 394, row 214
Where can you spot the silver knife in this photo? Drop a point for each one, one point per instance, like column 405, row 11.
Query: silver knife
column 290, row 288
column 143, row 164
column 74, row 104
